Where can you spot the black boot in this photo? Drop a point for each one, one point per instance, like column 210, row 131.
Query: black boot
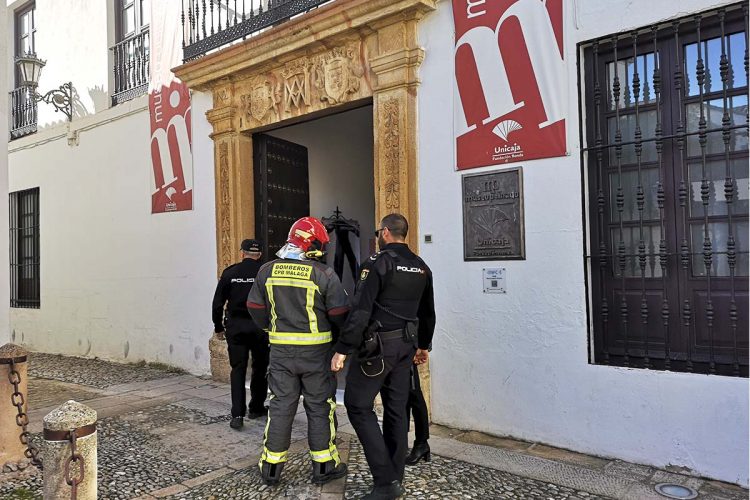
column 420, row 451
column 388, row 492
column 236, row 423
column 327, row 471
column 271, row 473
column 253, row 414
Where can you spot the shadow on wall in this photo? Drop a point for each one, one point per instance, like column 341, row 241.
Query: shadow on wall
column 99, row 97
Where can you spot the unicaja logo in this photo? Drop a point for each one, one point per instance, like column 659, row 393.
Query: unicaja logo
column 514, row 148
column 509, row 152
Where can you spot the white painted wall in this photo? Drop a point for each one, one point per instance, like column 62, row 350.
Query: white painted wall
column 340, row 156
column 116, row 281
column 523, row 356
column 4, row 270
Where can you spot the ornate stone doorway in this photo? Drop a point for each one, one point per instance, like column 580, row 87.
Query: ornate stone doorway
column 326, row 61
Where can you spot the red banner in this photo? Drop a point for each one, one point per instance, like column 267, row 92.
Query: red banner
column 169, row 106
column 171, row 155
column 511, row 90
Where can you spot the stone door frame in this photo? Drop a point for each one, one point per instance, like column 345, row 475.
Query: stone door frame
column 318, row 64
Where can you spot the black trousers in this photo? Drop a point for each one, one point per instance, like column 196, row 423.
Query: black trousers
column 243, row 338
column 418, row 408
column 385, row 450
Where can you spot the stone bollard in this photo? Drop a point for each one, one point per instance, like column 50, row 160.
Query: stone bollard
column 66, row 456
column 220, row 369
column 12, row 449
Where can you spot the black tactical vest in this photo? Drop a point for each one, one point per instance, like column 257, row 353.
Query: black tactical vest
column 401, row 292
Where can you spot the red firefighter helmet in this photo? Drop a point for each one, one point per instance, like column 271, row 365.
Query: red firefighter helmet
column 308, row 234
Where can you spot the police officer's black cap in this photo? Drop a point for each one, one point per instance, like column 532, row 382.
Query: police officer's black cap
column 251, row 246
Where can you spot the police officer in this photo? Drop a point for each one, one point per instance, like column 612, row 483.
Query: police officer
column 299, row 301
column 242, row 334
column 393, row 297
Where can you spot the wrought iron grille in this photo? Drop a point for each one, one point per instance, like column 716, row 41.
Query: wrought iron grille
column 24, row 248
column 210, row 24
column 667, row 172
column 23, row 112
column 131, row 67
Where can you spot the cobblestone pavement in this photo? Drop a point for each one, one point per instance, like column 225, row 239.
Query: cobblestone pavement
column 445, row 478
column 91, row 372
column 165, row 435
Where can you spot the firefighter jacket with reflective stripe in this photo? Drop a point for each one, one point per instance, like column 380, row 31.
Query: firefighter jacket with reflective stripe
column 400, row 282
column 296, row 301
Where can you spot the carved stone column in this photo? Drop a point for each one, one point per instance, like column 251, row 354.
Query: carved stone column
column 233, row 164
column 395, row 120
column 395, row 128
column 235, row 207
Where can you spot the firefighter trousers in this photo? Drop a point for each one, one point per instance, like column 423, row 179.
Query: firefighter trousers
column 293, row 371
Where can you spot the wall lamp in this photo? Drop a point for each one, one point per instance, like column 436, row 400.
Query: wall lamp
column 30, row 69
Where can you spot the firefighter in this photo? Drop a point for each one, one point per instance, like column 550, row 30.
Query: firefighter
column 392, row 310
column 242, row 334
column 299, row 301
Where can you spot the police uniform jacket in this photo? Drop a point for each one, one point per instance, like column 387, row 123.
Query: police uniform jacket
column 298, row 302
column 396, row 280
column 233, row 287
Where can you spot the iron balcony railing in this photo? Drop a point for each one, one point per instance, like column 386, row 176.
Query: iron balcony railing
column 131, row 67
column 210, row 24
column 23, row 112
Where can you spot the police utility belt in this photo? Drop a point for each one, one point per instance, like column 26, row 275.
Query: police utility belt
column 370, row 354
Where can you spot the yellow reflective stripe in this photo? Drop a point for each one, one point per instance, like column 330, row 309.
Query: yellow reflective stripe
column 321, row 456
column 300, row 338
column 332, row 442
column 291, row 282
column 273, row 457
column 264, row 454
column 310, row 299
column 269, row 292
column 311, row 316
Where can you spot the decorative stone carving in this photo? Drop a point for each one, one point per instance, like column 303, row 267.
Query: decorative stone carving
column 306, row 84
column 338, row 73
column 296, row 77
column 391, row 139
column 225, row 208
column 264, row 96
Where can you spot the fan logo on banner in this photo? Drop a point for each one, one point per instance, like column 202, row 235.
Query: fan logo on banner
column 510, row 79
column 170, row 110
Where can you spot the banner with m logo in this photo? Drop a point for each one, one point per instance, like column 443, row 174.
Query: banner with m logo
column 511, row 81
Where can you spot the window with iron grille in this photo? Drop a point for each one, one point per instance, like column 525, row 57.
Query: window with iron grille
column 132, row 52
column 24, row 248
column 666, row 167
column 23, row 107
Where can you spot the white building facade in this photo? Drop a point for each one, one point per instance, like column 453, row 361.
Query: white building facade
column 114, row 281
column 4, row 290
column 120, row 282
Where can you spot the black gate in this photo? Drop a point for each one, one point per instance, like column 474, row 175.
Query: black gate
column 282, row 193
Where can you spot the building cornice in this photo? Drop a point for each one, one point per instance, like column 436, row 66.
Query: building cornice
column 307, row 32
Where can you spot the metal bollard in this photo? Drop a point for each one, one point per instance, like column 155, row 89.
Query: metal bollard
column 13, row 417
column 70, row 467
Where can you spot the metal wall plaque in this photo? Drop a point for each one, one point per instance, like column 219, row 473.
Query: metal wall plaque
column 493, row 215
